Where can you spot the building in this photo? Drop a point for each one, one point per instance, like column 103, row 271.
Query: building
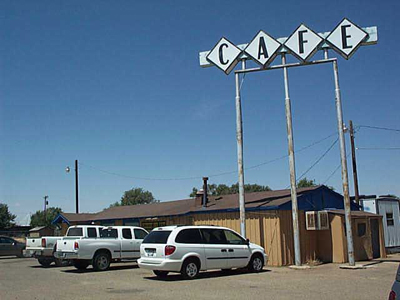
column 268, row 221
column 41, row 231
column 389, row 208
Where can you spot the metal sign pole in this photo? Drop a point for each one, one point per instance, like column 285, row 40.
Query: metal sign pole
column 295, row 215
column 345, row 178
column 239, row 139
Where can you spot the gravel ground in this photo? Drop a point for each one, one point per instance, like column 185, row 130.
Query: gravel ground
column 26, row 279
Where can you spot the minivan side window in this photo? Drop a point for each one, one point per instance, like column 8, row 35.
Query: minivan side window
column 91, row 232
column 233, row 238
column 127, row 233
column 189, row 236
column 140, row 234
column 214, row 236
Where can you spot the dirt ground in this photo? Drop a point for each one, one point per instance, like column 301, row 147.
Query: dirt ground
column 26, row 279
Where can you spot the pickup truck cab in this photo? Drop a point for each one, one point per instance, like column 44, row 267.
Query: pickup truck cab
column 115, row 243
column 43, row 248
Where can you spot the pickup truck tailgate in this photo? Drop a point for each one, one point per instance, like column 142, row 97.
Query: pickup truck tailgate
column 66, row 245
column 34, row 243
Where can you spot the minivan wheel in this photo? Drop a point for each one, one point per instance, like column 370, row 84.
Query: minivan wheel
column 190, row 269
column 161, row 274
column 101, row 261
column 256, row 263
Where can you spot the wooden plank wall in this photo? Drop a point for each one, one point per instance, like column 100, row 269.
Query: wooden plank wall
column 262, row 228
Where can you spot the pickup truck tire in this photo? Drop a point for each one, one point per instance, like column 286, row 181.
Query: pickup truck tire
column 81, row 264
column 60, row 262
column 101, row 261
column 45, row 262
column 161, row 274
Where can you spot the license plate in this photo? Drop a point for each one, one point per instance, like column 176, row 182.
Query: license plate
column 150, row 252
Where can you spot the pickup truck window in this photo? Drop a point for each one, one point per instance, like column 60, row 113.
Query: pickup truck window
column 127, row 233
column 157, row 237
column 75, row 231
column 140, row 234
column 91, row 232
column 109, row 233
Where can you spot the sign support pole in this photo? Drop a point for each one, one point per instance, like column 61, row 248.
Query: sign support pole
column 293, row 192
column 345, row 178
column 239, row 140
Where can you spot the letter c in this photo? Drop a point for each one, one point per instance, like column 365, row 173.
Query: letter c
column 221, row 57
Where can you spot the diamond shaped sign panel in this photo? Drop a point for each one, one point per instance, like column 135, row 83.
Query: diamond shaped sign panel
column 263, row 48
column 303, row 42
column 346, row 38
column 225, row 55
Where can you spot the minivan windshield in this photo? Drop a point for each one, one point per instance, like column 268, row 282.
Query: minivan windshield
column 157, row 237
column 75, row 231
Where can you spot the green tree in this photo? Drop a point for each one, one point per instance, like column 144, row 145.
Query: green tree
column 135, row 196
column 223, row 189
column 6, row 218
column 44, row 218
column 306, row 183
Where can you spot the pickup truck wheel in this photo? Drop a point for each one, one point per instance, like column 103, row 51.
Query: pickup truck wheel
column 101, row 261
column 81, row 265
column 60, row 262
column 161, row 274
column 45, row 262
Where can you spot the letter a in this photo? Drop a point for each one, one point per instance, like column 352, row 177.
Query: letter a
column 262, row 49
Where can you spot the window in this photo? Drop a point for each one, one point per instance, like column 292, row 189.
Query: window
column 140, row 234
column 75, row 231
column 361, row 229
column 157, row 237
column 214, row 236
column 5, row 240
column 389, row 219
column 189, row 236
column 109, row 233
column 91, row 232
column 233, row 238
column 127, row 233
column 150, row 225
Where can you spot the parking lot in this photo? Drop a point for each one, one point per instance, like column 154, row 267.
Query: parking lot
column 25, row 279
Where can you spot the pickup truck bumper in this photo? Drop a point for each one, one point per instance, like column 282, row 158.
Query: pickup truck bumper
column 37, row 253
column 65, row 255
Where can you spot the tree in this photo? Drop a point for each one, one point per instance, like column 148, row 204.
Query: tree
column 223, row 189
column 44, row 218
column 6, row 218
column 136, row 196
column 306, row 183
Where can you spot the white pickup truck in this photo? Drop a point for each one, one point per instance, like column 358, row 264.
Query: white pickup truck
column 43, row 248
column 116, row 243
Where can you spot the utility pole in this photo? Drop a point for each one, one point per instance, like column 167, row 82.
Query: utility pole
column 353, row 158
column 76, row 187
column 45, row 205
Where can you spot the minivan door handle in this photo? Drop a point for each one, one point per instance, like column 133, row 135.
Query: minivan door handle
column 223, row 250
column 230, row 250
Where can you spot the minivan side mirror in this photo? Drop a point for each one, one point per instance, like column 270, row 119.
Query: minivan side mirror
column 247, row 242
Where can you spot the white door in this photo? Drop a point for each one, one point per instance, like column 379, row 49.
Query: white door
column 127, row 244
column 238, row 251
column 215, row 248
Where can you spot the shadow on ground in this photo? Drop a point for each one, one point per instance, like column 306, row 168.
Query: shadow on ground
column 204, row 275
column 111, row 269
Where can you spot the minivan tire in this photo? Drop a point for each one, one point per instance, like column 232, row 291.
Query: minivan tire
column 101, row 261
column 190, row 269
column 161, row 274
column 256, row 263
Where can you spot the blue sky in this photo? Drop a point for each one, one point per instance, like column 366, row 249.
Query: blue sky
column 117, row 85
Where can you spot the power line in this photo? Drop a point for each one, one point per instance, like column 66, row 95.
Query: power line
column 334, row 171
column 380, row 128
column 378, row 148
column 212, row 175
